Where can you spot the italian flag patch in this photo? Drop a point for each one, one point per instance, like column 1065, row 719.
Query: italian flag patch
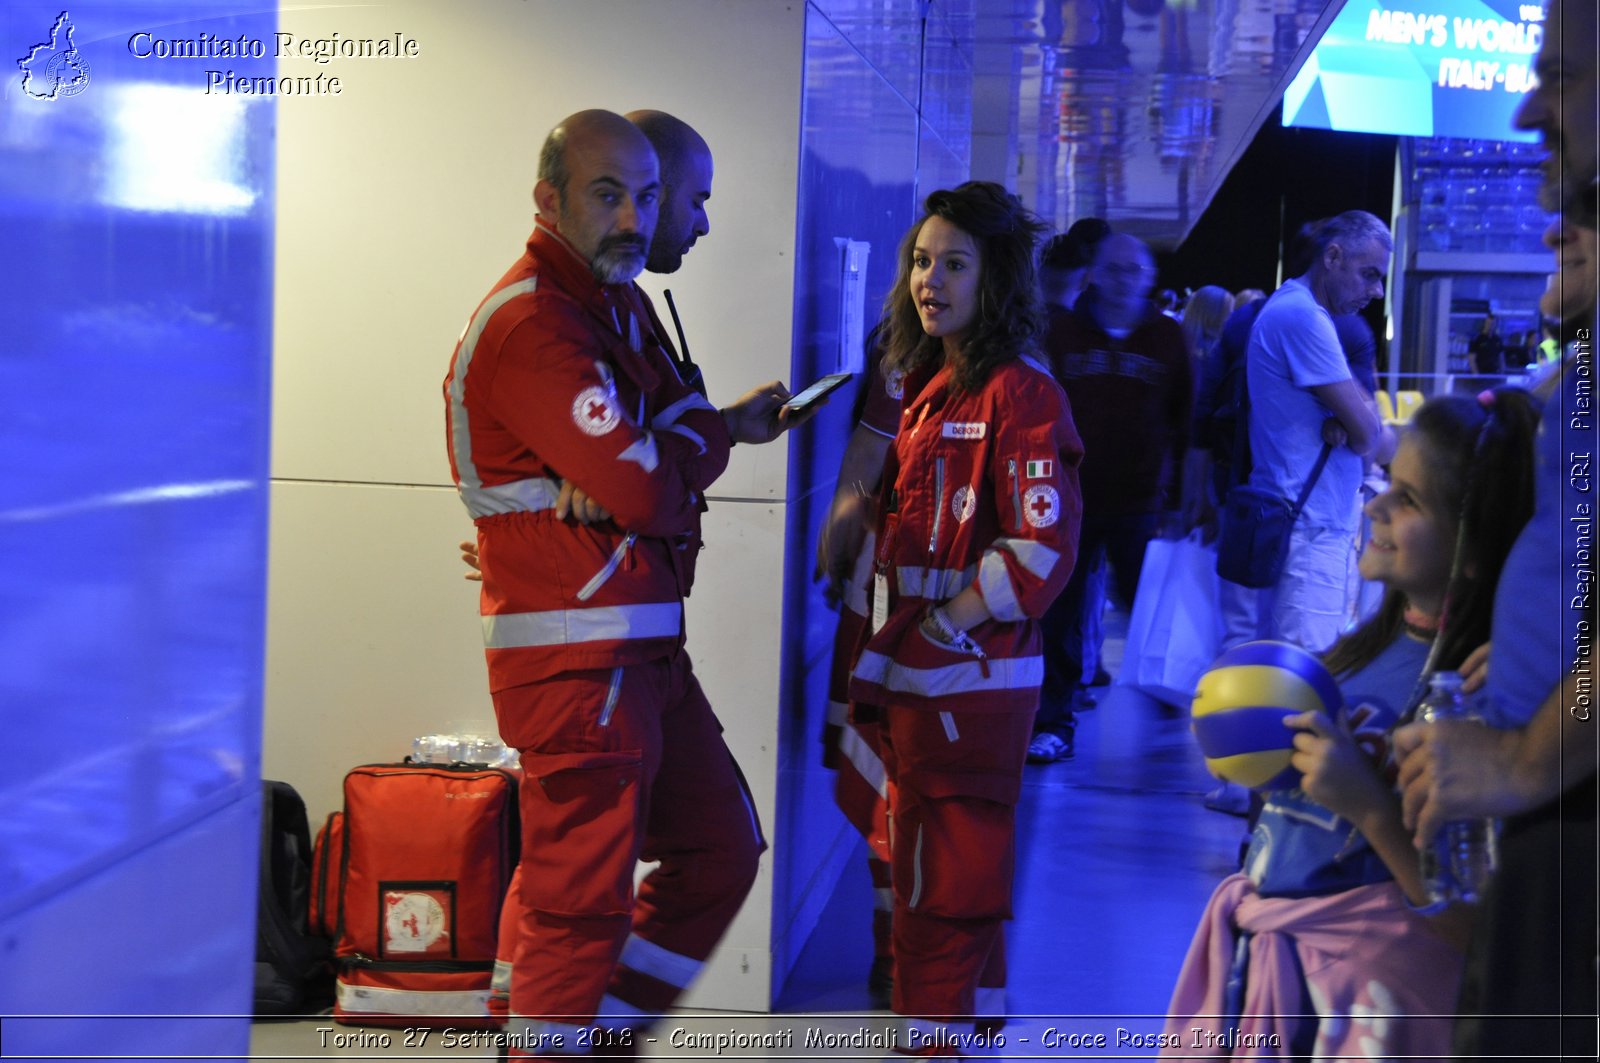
column 1040, row 470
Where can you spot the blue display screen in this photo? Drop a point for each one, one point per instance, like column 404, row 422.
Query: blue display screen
column 1425, row 68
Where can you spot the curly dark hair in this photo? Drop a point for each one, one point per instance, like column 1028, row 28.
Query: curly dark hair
column 1480, row 457
column 1009, row 315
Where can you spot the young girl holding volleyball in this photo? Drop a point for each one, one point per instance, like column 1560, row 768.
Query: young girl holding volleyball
column 1316, row 947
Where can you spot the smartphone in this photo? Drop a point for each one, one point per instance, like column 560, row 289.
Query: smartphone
column 816, row 392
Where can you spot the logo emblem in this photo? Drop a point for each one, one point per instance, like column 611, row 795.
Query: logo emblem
column 895, row 384
column 595, row 411
column 1041, row 506
column 412, row 922
column 964, row 503
column 55, row 68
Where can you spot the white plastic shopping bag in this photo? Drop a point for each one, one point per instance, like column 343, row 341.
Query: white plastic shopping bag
column 1176, row 630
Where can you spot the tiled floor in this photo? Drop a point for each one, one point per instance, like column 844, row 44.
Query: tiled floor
column 1117, row 858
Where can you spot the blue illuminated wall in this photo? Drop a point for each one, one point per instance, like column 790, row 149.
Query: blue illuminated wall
column 886, row 119
column 135, row 335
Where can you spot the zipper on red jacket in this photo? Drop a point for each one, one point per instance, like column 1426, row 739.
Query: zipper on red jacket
column 1016, row 492
column 938, row 506
column 624, row 550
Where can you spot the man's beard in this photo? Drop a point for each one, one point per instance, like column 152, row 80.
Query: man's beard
column 618, row 260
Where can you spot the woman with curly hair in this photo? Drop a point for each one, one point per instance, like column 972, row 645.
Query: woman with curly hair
column 976, row 533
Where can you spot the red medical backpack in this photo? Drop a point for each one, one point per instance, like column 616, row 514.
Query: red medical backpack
column 424, row 853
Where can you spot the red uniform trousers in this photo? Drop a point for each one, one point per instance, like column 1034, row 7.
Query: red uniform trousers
column 861, row 789
column 619, row 765
column 955, row 778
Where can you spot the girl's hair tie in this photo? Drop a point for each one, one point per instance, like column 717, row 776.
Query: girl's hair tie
column 1486, row 398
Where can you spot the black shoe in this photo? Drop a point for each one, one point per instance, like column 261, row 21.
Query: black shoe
column 880, row 982
column 1102, row 678
column 1087, row 698
column 1048, row 747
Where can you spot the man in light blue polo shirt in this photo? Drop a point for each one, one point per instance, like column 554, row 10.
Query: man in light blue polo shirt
column 1301, row 396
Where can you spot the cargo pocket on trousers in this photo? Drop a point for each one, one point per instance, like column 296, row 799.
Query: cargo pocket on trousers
column 580, row 832
column 954, row 855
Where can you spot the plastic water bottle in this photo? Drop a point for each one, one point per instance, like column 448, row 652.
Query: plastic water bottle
column 1457, row 865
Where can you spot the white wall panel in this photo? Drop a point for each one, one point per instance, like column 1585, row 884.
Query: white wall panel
column 404, row 198
column 400, row 202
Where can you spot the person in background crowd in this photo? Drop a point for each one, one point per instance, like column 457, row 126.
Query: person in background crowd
column 1245, row 296
column 1063, row 276
column 1064, row 263
column 1486, row 349
column 1302, row 398
column 1530, row 987
column 562, row 368
column 1202, row 320
column 845, row 547
column 977, row 523
column 1220, row 399
column 1127, row 375
column 1207, row 310
column 1320, row 928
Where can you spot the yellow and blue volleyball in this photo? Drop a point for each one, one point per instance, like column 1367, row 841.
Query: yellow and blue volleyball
column 1239, row 708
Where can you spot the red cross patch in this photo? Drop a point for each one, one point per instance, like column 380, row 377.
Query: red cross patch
column 1041, row 506
column 595, row 411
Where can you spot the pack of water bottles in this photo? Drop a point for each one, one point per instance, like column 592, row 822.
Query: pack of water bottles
column 463, row 748
column 1457, row 865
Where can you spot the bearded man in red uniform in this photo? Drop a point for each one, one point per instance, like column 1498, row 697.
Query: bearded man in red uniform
column 583, row 459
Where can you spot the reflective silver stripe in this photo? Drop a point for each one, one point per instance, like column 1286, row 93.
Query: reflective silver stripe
column 864, row 760
column 883, row 899
column 838, row 713
column 558, row 627
column 647, row 957
column 750, row 811
column 672, row 414
column 460, row 430
column 667, row 419
column 938, row 506
column 642, row 452
column 998, row 593
column 547, row 1038
column 618, row 1014
column 934, row 584
column 1034, row 363
column 688, row 433
column 520, row 496
column 500, row 983
column 1005, row 673
column 950, row 732
column 1040, row 560
column 916, row 871
column 374, row 1000
column 611, row 697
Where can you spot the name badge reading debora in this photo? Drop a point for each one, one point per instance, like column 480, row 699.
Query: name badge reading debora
column 965, row 429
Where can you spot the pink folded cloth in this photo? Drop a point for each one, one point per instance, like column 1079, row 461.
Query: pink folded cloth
column 1382, row 984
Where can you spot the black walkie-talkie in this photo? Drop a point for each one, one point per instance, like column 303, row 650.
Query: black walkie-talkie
column 687, row 370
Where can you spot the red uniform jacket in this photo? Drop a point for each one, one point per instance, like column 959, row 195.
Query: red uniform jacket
column 978, row 488
column 558, row 377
